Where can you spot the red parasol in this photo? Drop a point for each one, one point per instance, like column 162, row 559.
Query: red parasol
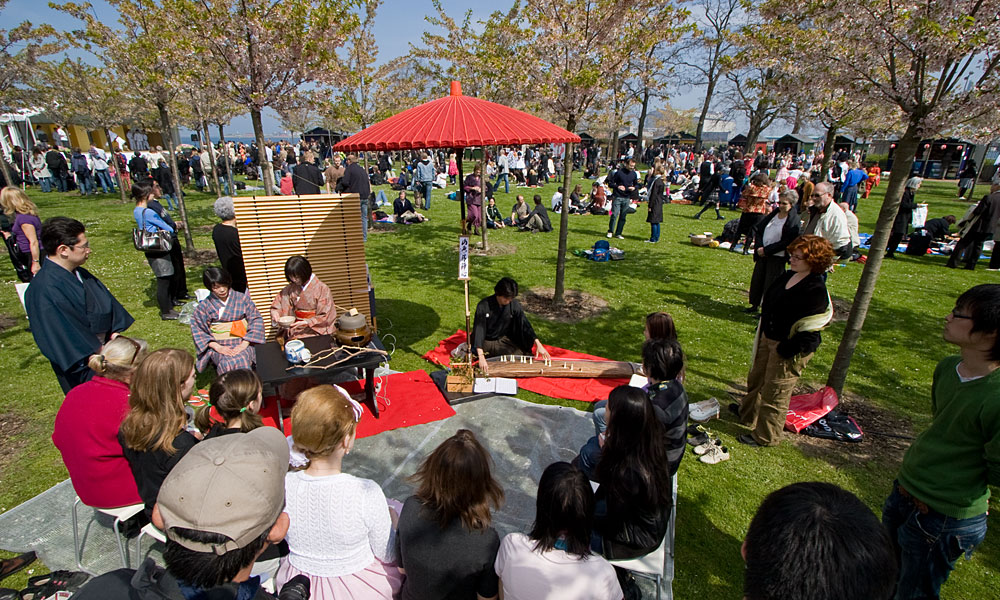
column 456, row 121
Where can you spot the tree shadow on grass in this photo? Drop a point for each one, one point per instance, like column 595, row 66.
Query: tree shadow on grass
column 695, row 530
column 409, row 322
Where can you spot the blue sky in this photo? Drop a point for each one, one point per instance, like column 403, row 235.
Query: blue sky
column 398, row 24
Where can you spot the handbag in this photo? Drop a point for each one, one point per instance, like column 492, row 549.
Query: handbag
column 151, row 241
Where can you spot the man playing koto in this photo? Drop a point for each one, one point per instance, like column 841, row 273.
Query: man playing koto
column 72, row 314
column 501, row 328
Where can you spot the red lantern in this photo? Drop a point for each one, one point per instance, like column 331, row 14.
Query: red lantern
column 892, row 145
column 927, row 146
column 944, row 146
column 960, row 147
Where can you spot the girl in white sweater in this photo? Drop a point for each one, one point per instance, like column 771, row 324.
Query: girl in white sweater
column 342, row 532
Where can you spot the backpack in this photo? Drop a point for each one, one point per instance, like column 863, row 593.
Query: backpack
column 601, row 252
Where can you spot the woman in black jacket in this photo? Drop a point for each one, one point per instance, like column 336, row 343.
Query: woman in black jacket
column 770, row 238
column 795, row 309
column 635, row 494
column 904, row 216
column 656, row 197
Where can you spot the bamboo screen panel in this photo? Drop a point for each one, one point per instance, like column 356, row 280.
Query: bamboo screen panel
column 324, row 228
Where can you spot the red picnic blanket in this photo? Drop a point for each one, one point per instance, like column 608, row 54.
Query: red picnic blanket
column 590, row 389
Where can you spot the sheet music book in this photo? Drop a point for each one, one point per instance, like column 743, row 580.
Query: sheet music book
column 498, row 385
column 638, row 381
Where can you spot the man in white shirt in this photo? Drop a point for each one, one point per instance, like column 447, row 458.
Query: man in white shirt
column 828, row 220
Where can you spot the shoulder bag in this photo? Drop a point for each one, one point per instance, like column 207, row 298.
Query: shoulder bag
column 151, row 241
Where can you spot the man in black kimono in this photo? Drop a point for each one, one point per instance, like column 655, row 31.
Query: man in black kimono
column 72, row 314
column 501, row 327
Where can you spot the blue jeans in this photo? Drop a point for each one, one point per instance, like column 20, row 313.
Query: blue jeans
column 589, row 456
column 599, row 418
column 619, row 206
column 654, row 232
column 60, row 181
column 170, row 201
column 46, row 183
column 104, row 178
column 86, row 183
column 927, row 545
column 224, row 184
column 365, row 211
column 506, row 182
column 381, row 199
column 425, row 188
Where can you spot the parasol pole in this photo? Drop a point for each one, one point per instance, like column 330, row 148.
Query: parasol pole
column 460, row 194
column 482, row 194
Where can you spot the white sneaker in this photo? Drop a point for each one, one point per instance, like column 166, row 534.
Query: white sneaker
column 609, row 234
column 704, row 448
column 704, row 410
column 715, row 455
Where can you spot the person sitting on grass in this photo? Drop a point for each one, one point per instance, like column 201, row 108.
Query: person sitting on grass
column 403, row 209
column 342, row 533
column 494, row 220
column 538, row 218
column 519, row 214
column 226, row 325
column 501, row 327
column 939, row 228
column 446, row 542
column 236, row 397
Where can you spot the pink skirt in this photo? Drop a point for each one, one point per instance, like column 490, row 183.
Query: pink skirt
column 377, row 581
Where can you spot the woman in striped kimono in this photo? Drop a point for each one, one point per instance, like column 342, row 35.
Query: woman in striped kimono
column 226, row 325
column 307, row 299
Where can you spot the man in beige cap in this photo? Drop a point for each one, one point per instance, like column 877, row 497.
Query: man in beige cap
column 220, row 508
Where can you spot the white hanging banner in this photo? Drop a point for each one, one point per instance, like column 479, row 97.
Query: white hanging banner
column 463, row 257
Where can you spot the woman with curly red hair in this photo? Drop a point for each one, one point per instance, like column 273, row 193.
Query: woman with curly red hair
column 795, row 309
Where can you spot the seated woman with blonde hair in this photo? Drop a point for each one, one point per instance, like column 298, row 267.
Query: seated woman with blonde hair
column 153, row 435
column 445, row 541
column 307, row 300
column 86, row 427
column 342, row 530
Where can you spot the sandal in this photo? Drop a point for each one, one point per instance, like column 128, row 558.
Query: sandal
column 35, row 592
column 9, row 594
column 10, row 566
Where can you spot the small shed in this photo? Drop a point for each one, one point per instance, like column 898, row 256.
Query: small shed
column 794, row 143
column 937, row 159
column 319, row 134
column 843, row 143
column 586, row 139
column 738, row 141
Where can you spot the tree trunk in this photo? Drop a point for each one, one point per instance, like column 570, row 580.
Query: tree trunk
column 165, row 124
column 229, row 166
column 831, row 139
column 753, row 132
column 113, row 161
column 557, row 296
column 613, row 152
column 642, row 114
column 905, row 152
column 704, row 114
column 211, row 156
column 266, row 168
column 797, row 123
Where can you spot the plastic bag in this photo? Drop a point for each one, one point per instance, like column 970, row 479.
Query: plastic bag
column 186, row 312
column 806, row 409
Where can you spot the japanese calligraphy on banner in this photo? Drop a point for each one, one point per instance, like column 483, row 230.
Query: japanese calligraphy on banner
column 463, row 257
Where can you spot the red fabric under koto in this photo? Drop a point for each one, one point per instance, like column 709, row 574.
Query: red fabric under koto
column 591, row 389
column 413, row 400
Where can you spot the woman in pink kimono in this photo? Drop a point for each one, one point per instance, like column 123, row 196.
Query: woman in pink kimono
column 226, row 325
column 307, row 299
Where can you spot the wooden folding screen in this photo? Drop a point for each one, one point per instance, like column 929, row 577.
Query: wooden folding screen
column 325, row 228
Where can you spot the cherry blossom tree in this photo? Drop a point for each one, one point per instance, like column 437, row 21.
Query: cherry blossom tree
column 267, row 52
column 143, row 53
column 934, row 64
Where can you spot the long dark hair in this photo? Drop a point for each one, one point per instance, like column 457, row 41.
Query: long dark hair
column 633, row 450
column 564, row 509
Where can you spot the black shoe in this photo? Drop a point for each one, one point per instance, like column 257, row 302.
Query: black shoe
column 179, row 303
column 187, row 297
column 170, row 316
column 734, row 408
column 750, row 311
column 950, row 266
column 747, row 439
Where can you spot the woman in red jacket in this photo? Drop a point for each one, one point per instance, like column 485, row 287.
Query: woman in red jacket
column 86, row 427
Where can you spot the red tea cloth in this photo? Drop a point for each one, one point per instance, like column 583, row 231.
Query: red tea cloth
column 590, row 389
column 413, row 399
column 806, row 409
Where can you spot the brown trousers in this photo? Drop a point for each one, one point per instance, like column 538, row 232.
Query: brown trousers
column 769, row 389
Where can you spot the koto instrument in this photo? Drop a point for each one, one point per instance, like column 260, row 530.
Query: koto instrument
column 527, row 366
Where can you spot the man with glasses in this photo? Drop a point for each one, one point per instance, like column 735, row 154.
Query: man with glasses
column 72, row 314
column 937, row 509
column 827, row 220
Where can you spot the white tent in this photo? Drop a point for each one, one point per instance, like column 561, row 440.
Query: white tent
column 16, row 130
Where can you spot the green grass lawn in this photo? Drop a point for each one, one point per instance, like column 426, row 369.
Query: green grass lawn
column 420, row 301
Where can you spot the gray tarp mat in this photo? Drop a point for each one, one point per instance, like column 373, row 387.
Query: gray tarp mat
column 522, row 437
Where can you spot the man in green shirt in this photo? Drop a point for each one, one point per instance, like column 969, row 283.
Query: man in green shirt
column 937, row 509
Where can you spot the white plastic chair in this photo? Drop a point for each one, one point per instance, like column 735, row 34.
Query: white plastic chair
column 658, row 565
column 121, row 514
column 153, row 532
